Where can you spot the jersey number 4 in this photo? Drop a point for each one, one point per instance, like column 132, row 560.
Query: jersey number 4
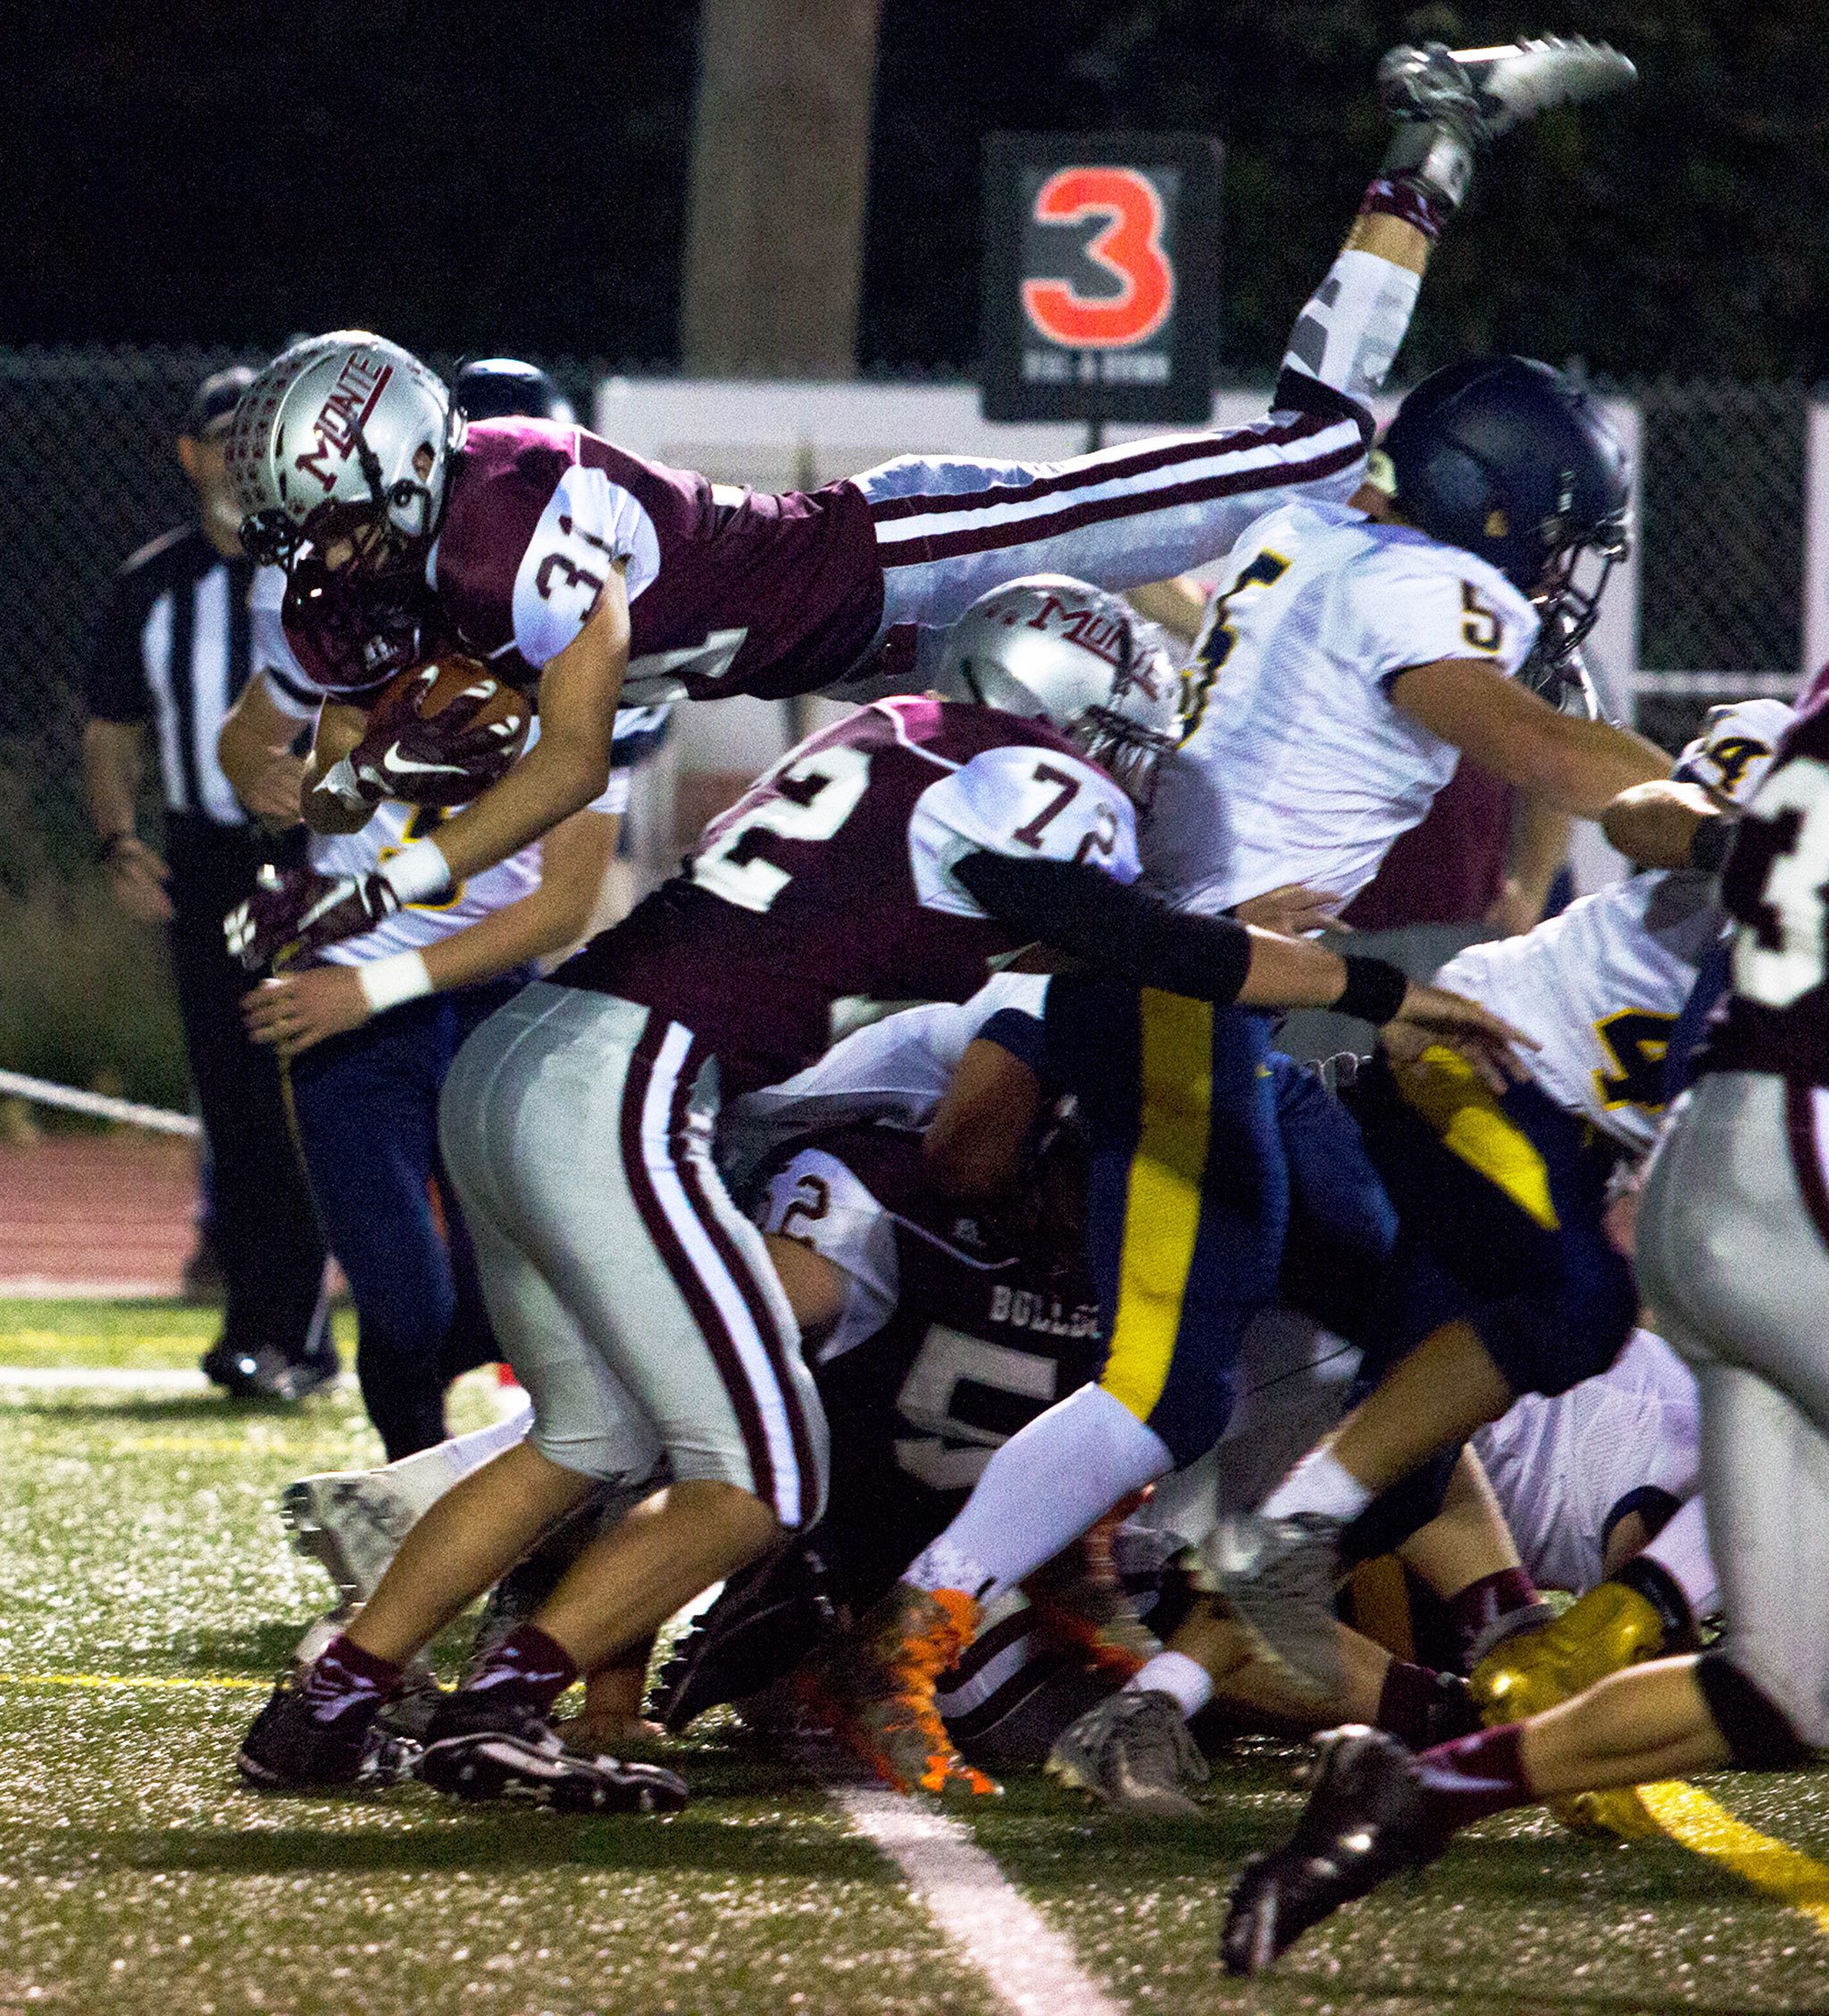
column 810, row 800
column 1636, row 1043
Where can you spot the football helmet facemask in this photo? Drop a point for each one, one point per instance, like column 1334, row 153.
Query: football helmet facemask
column 344, row 438
column 1507, row 458
column 1050, row 649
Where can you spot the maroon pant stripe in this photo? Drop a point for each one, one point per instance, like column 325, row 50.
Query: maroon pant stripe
column 754, row 1299
column 1805, row 1155
column 986, row 539
column 678, row 1263
column 1187, row 447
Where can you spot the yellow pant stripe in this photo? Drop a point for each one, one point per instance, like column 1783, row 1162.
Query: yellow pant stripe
column 1162, row 1214
column 1449, row 1095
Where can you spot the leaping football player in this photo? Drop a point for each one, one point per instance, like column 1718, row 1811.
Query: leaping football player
column 565, row 561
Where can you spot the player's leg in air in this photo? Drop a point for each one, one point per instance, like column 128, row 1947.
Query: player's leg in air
column 1733, row 1261
column 948, row 529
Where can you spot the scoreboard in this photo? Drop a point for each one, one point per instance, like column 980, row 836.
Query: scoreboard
column 1100, row 276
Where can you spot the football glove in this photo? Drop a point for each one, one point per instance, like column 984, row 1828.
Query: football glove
column 444, row 760
column 295, row 910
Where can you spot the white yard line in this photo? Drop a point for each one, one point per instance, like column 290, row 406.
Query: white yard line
column 1032, row 1968
column 54, row 1288
column 107, row 1378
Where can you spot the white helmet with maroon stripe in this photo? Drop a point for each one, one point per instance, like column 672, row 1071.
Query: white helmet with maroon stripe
column 1054, row 649
column 342, row 436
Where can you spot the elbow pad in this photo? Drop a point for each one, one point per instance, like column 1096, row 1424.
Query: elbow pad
column 1119, row 927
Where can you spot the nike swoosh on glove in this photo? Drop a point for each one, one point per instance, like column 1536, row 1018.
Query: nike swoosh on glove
column 444, row 760
column 295, row 910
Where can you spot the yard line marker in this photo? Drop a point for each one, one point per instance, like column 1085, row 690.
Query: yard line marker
column 1032, row 1968
column 1698, row 1823
column 107, row 1378
column 113, row 1680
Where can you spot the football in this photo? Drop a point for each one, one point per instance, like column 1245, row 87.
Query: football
column 443, row 732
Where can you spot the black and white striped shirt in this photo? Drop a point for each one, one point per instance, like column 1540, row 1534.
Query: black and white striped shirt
column 175, row 650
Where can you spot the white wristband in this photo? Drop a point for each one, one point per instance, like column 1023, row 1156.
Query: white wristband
column 417, row 871
column 339, row 782
column 401, row 977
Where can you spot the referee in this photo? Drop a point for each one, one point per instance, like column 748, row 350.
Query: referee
column 172, row 656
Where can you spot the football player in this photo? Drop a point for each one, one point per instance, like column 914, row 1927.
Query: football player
column 1508, row 1280
column 636, row 1303
column 1733, row 1250
column 564, row 560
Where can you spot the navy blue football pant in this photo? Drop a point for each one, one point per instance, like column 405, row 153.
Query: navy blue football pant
column 366, row 1106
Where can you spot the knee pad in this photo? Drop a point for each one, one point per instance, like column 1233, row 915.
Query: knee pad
column 1762, row 1733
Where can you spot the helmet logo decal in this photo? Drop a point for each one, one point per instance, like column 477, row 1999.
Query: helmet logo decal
column 1105, row 633
column 343, row 414
column 1497, row 523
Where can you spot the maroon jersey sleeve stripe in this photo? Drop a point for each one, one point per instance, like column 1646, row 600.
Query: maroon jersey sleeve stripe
column 1183, row 448
column 718, row 1340
column 950, row 546
column 773, row 1343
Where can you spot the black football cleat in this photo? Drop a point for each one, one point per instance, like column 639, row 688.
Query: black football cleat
column 762, row 1626
column 479, row 1749
column 1364, row 1822
column 289, row 1749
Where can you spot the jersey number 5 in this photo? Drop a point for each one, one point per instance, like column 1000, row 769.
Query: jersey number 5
column 810, row 800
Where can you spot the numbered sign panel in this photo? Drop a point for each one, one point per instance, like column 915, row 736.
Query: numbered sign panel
column 1102, row 276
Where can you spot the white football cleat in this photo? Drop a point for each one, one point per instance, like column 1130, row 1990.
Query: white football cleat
column 1520, row 79
column 350, row 1522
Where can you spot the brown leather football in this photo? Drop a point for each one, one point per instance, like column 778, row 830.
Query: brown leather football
column 442, row 733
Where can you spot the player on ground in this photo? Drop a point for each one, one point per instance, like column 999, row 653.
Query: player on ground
column 1732, row 1249
column 561, row 559
column 636, row 1303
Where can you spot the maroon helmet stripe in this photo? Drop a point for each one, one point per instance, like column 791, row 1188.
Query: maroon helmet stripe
column 674, row 1258
column 755, row 1299
column 1026, row 531
column 1184, row 448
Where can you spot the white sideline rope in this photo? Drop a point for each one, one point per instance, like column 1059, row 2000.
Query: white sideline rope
column 43, row 1091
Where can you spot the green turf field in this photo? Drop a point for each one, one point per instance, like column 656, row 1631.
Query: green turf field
column 149, row 1594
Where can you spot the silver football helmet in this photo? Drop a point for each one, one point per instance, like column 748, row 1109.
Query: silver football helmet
column 1054, row 649
column 342, row 435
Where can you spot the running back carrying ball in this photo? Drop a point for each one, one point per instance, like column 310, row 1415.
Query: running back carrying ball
column 440, row 733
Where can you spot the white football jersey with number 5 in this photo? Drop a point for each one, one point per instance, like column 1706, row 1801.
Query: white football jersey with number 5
column 1296, row 765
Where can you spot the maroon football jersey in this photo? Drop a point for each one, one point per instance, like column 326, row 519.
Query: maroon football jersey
column 1775, row 889
column 831, row 877
column 730, row 590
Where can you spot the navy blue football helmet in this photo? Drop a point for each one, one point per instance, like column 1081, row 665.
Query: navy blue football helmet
column 495, row 388
column 1506, row 458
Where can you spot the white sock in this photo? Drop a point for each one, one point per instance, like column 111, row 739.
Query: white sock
column 424, row 1478
column 1319, row 1483
column 1175, row 1674
column 1682, row 1551
column 1041, row 1490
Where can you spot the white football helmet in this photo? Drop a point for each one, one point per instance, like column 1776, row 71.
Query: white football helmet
column 1733, row 752
column 1054, row 649
column 339, row 434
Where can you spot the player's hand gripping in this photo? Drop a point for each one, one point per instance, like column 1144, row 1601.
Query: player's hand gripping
column 295, row 910
column 446, row 758
column 1432, row 1015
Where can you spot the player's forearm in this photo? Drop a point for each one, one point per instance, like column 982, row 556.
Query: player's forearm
column 555, row 778
column 551, row 919
column 1540, row 846
column 111, row 767
column 1581, row 766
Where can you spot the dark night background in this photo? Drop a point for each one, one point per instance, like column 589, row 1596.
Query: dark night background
column 462, row 177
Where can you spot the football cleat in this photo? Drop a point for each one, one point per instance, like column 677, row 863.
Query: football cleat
column 1490, row 92
column 1278, row 1577
column 350, row 1522
column 479, row 1749
column 1363, row 1823
column 1611, row 1626
column 760, row 1628
column 1133, row 1751
column 287, row 1748
column 881, row 1688
column 1079, row 1604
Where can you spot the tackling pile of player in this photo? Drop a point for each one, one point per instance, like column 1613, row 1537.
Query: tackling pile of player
column 891, row 1337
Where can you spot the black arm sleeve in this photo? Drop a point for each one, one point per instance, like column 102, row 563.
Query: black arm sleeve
column 1118, row 926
